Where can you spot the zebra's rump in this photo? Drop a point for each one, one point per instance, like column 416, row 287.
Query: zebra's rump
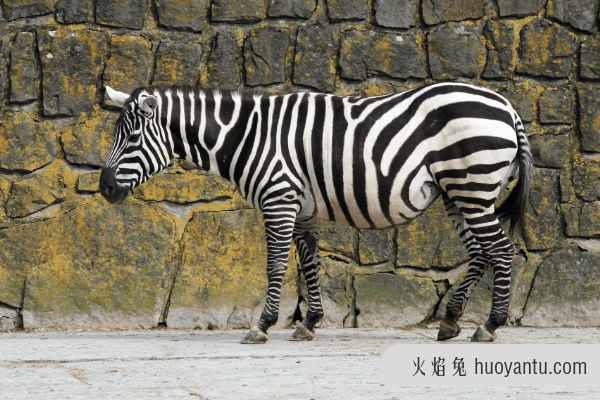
column 377, row 162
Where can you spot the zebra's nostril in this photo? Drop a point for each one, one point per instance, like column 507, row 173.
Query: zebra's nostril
column 108, row 190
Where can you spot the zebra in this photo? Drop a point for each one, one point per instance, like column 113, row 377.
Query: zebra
column 368, row 162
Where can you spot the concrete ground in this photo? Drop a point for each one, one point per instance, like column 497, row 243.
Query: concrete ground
column 337, row 364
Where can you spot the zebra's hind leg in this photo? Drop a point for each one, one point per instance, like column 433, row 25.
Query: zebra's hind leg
column 306, row 239
column 279, row 227
column 478, row 263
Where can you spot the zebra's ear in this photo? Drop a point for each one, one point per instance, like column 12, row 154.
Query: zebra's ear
column 119, row 98
column 149, row 104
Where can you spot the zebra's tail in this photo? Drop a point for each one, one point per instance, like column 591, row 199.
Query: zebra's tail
column 514, row 206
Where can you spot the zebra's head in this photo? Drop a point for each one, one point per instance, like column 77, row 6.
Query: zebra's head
column 131, row 159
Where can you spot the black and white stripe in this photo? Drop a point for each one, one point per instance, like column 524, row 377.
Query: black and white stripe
column 368, row 162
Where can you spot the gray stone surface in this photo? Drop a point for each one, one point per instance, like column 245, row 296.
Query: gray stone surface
column 33, row 193
column 88, row 142
column 223, row 68
column 500, row 37
column 24, row 143
column 364, row 54
column 337, row 364
column 314, row 64
column 393, row 300
column 127, row 66
column 264, row 54
column 375, row 246
column 14, row 9
column 120, row 13
column 72, row 11
column 550, row 150
column 556, row 107
column 24, row 69
column 565, row 291
column 182, row 14
column 586, row 177
column 437, row 11
column 291, row 8
column 339, row 10
column 580, row 14
column 541, row 220
column 547, row 49
column 177, row 63
column 337, row 238
column 589, row 68
column 522, row 102
column 589, row 117
column 238, row 11
column 455, row 50
column 519, row 8
column 396, row 13
column 71, row 67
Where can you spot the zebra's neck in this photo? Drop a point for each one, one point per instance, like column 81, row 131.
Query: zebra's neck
column 206, row 126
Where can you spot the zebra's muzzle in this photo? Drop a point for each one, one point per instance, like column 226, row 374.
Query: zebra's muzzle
column 110, row 189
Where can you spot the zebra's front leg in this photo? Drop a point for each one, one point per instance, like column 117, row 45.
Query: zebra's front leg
column 279, row 229
column 307, row 247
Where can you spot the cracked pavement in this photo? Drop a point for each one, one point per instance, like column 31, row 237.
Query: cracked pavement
column 337, row 364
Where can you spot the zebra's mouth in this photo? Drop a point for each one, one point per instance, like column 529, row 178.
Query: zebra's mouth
column 110, row 189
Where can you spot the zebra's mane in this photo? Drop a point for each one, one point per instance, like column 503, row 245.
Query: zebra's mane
column 243, row 94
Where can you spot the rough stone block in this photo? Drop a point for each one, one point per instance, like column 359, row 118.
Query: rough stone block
column 98, row 266
column 340, row 10
column 72, row 60
column 88, row 183
column 580, row 14
column 522, row 103
column 364, row 54
column 182, row 14
column 571, row 214
column 8, row 318
column 519, row 8
column 24, row 69
column 541, row 222
column 550, row 150
column 89, row 141
column 589, row 66
column 185, row 188
column 238, row 11
column 291, row 8
column 429, row 241
column 119, row 13
column 314, row 64
column 14, row 9
column 127, row 66
column 177, row 64
column 556, row 107
column 437, row 11
column 33, row 193
column 375, row 246
column 500, row 37
column 396, row 13
column 24, row 143
column 586, row 178
column 565, row 291
column 547, row 49
column 264, row 54
column 589, row 117
column 337, row 238
column 223, row 67
column 589, row 220
column 72, row 11
column 455, row 50
column 393, row 300
column 224, row 261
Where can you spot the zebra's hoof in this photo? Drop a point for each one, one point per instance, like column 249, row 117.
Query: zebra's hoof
column 482, row 335
column 448, row 330
column 302, row 333
column 255, row 336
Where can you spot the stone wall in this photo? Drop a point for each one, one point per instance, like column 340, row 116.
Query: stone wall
column 186, row 251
